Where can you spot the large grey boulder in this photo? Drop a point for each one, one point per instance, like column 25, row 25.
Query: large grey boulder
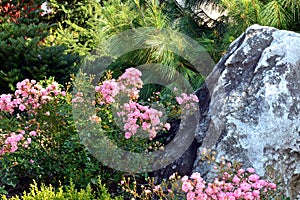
column 250, row 105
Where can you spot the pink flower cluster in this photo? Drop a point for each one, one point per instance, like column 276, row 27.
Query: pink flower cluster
column 109, row 89
column 136, row 116
column 129, row 83
column 244, row 184
column 29, row 97
column 7, row 103
column 12, row 141
column 188, row 102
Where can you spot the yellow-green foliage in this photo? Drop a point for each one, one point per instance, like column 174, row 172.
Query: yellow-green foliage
column 64, row 192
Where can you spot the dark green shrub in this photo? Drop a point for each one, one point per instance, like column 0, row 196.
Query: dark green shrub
column 24, row 52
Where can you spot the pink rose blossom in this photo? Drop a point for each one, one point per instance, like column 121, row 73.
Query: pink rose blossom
column 186, row 186
column 254, row 177
column 251, row 170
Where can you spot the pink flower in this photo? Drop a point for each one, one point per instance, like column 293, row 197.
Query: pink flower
column 226, row 176
column 196, row 176
column 236, row 179
column 195, row 98
column 32, row 133
column 209, row 191
column 228, row 186
column 221, row 195
column 256, row 185
column 190, row 195
column 237, row 193
column 263, row 183
column 245, row 187
column 255, row 193
column 253, row 177
column 231, row 198
column 167, row 126
column 146, row 126
column 127, row 135
column 251, row 170
column 186, row 186
column 156, row 188
column 248, row 196
column 179, row 100
column 22, row 107
column 97, row 88
column 199, row 187
column 172, row 176
column 184, row 178
column 272, row 186
column 240, row 172
column 203, row 196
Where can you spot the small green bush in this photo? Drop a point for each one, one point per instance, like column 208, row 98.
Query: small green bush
column 64, row 192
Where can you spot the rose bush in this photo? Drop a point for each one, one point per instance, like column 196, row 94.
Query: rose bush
column 124, row 94
column 232, row 183
column 26, row 104
column 39, row 139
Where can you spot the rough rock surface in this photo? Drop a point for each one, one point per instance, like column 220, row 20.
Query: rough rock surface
column 250, row 105
column 184, row 164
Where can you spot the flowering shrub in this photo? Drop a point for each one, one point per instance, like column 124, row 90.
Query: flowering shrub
column 123, row 94
column 28, row 98
column 188, row 102
column 242, row 184
column 40, row 113
column 231, row 183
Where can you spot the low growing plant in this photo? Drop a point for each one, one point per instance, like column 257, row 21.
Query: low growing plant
column 232, row 182
column 65, row 192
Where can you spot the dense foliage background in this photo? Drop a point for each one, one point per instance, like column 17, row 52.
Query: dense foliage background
column 35, row 44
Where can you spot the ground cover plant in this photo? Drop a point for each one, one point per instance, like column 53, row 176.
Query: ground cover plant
column 231, row 181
